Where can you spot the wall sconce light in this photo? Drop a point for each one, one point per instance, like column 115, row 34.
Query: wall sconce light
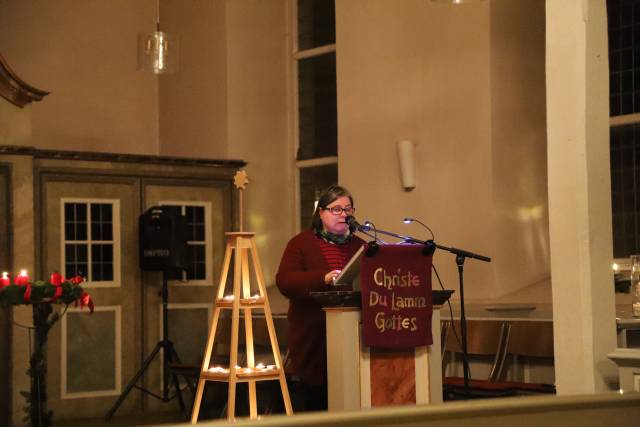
column 158, row 51
column 406, row 155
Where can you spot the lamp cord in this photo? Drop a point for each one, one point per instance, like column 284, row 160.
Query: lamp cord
column 158, row 15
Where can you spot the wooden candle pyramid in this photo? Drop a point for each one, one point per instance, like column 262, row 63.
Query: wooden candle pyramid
column 242, row 246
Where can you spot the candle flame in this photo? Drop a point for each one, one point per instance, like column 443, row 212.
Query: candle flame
column 23, row 273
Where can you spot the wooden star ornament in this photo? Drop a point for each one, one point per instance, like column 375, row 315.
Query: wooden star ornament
column 241, row 180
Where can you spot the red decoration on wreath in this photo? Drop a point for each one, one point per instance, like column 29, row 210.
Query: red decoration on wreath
column 85, row 300
column 21, row 279
column 4, row 280
column 57, row 289
column 56, row 279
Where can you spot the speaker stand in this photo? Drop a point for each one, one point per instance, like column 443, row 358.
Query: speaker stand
column 170, row 356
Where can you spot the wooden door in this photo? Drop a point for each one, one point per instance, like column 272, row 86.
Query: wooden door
column 207, row 210
column 90, row 229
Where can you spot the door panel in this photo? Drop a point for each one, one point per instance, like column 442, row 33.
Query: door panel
column 91, row 356
column 188, row 299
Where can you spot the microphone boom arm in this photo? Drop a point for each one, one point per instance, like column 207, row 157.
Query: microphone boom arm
column 408, row 239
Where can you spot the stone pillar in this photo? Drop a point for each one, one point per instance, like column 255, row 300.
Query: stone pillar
column 580, row 195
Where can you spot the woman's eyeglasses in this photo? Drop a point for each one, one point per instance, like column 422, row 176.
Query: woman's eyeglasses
column 337, row 210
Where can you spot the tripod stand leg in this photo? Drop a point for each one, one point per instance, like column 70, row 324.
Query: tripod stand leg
column 172, row 357
column 133, row 382
column 183, row 409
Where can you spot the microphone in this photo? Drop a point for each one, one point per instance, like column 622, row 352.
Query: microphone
column 353, row 224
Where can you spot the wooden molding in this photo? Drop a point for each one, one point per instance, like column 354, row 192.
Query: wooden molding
column 119, row 158
column 14, row 89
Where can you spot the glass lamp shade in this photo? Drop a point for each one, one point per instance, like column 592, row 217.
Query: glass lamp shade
column 158, row 52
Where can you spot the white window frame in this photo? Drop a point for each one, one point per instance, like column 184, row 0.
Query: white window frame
column 64, row 394
column 297, row 56
column 117, row 274
column 208, row 242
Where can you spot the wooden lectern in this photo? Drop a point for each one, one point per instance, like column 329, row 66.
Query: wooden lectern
column 401, row 369
column 349, row 367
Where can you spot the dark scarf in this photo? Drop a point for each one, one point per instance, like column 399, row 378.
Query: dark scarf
column 336, row 239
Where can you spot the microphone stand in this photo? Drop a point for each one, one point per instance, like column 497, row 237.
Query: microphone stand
column 461, row 256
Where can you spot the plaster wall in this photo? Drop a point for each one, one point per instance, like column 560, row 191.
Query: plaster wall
column 193, row 102
column 84, row 53
column 15, row 124
column 466, row 84
column 518, row 145
column 258, row 61
column 419, row 71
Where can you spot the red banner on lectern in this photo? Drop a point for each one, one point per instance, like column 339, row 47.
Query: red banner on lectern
column 396, row 297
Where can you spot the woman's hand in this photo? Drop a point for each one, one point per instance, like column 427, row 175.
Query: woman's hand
column 331, row 276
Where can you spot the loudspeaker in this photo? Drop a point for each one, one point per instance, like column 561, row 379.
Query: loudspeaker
column 163, row 239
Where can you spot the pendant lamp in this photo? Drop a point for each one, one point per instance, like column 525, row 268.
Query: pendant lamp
column 158, row 51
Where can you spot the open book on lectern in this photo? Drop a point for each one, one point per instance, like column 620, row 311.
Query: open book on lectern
column 350, row 274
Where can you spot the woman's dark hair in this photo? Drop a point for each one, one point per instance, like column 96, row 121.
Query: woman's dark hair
column 328, row 196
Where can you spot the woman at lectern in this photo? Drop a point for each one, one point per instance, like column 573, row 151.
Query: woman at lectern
column 310, row 263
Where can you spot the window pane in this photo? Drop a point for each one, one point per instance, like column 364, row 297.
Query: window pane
column 81, row 212
column 69, row 212
column 316, row 23
column 312, row 181
column 196, row 267
column 69, row 230
column 195, row 223
column 76, row 261
column 625, row 189
column 318, row 129
column 624, row 56
column 101, row 263
column 101, row 224
column 75, row 221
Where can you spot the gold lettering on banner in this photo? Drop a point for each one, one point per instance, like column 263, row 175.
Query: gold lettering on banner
column 385, row 296
column 395, row 322
column 407, row 302
column 398, row 279
column 377, row 299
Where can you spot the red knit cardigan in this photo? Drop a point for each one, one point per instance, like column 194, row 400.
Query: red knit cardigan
column 302, row 270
